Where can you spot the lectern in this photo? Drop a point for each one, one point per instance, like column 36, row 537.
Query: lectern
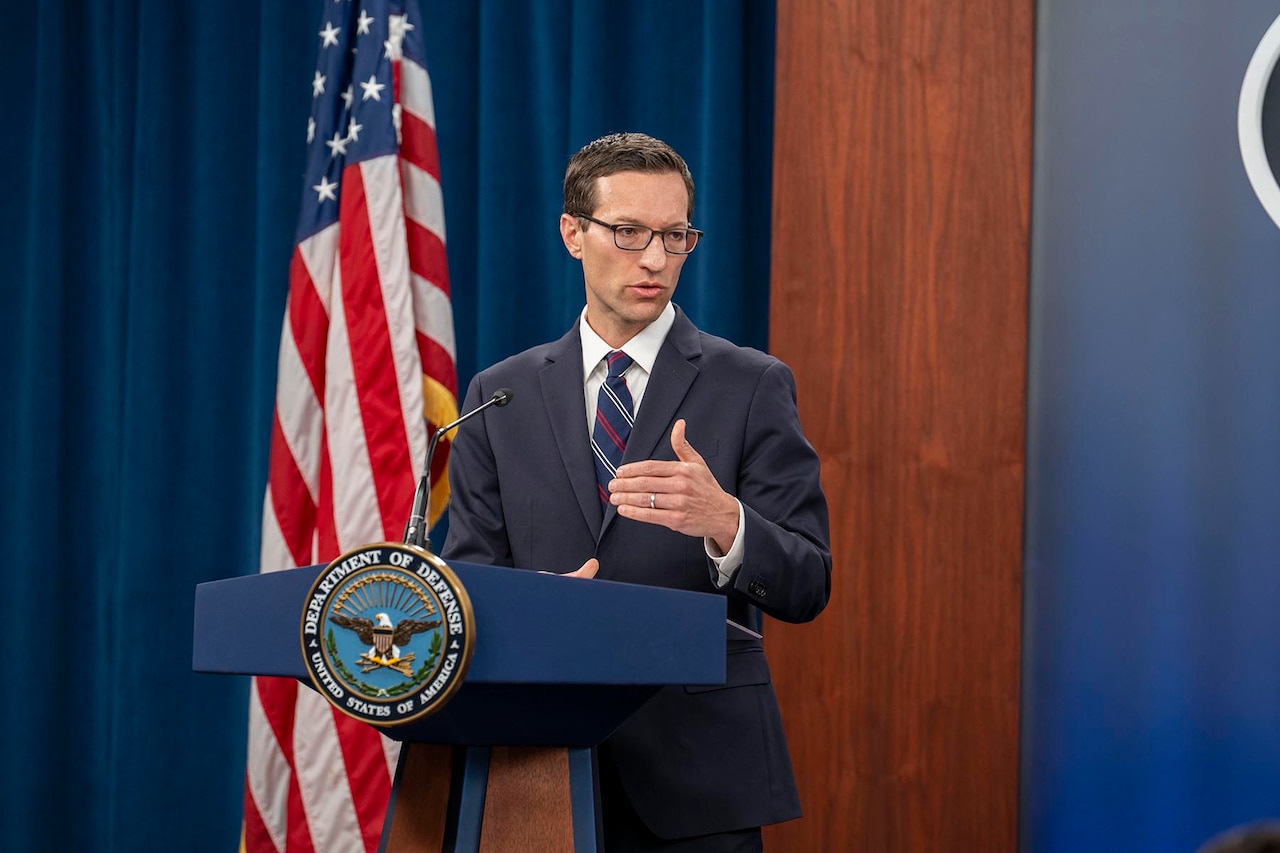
column 559, row 663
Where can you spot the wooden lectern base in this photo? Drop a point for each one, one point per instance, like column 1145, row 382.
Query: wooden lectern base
column 417, row 814
column 527, row 806
column 492, row 800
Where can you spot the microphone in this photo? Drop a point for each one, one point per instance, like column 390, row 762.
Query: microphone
column 415, row 532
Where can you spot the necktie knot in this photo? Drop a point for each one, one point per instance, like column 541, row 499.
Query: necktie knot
column 618, row 362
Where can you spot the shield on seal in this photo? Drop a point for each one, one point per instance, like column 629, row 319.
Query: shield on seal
column 382, row 635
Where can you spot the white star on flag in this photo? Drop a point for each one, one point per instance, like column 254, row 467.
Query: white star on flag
column 394, row 44
column 337, row 145
column 330, row 35
column 372, row 88
column 326, row 190
column 399, row 25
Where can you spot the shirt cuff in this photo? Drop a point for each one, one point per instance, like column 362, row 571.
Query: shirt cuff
column 728, row 562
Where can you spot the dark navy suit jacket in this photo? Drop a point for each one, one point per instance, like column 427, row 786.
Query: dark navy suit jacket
column 693, row 760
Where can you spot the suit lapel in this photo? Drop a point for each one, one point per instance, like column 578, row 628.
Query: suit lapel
column 673, row 373
column 561, row 380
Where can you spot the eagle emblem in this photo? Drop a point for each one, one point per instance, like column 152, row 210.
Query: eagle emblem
column 360, row 628
column 385, row 639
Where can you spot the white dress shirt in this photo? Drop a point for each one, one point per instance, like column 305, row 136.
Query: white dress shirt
column 643, row 350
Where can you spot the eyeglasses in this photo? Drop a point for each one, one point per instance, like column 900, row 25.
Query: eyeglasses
column 636, row 238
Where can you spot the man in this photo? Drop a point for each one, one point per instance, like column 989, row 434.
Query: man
column 717, row 491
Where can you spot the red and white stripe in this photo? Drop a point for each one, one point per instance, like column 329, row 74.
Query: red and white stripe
column 366, row 369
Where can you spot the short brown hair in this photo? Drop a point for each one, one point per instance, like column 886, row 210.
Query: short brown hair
column 619, row 152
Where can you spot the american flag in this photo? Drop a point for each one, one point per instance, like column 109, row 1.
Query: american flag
column 366, row 368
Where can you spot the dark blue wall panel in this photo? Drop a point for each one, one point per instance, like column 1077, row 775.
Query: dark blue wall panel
column 1152, row 647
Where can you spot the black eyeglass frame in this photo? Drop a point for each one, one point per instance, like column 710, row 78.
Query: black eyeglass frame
column 652, row 233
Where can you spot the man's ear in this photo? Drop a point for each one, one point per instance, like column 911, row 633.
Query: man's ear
column 571, row 233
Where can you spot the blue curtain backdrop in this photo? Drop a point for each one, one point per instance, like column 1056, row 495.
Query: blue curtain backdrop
column 155, row 153
column 1152, row 653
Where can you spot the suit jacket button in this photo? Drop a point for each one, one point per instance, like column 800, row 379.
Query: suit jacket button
column 757, row 588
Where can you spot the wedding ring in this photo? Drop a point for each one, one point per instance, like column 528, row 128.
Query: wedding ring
column 653, row 500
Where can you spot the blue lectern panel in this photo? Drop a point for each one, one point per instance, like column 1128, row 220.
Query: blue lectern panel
column 531, row 628
column 527, row 715
column 251, row 625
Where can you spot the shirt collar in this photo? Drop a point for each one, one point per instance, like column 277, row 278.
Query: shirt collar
column 643, row 348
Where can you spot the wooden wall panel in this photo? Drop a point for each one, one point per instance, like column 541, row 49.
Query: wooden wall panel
column 900, row 262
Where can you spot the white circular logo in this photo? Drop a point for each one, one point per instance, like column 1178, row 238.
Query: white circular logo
column 1257, row 77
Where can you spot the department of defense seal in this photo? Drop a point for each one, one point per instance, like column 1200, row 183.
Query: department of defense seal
column 387, row 633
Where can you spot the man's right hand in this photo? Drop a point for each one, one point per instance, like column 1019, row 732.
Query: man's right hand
column 588, row 570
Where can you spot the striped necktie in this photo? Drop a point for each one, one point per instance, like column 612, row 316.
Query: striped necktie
column 613, row 422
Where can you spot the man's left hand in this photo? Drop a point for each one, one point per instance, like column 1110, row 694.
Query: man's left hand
column 682, row 495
